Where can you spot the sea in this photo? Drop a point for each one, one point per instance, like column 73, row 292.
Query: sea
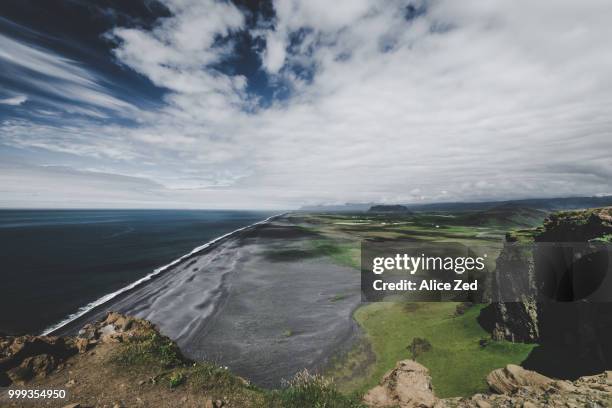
column 57, row 263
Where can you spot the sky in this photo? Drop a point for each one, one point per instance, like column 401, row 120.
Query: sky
column 279, row 104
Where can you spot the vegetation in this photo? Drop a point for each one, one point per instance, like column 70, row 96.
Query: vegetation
column 158, row 355
column 152, row 350
column 458, row 362
column 208, row 376
column 176, row 379
column 308, row 390
column 418, row 347
column 606, row 239
column 447, row 342
column 446, row 339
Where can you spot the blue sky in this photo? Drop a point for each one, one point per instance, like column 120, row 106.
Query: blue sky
column 210, row 104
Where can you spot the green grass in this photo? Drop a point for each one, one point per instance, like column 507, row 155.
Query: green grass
column 208, row 376
column 343, row 253
column 313, row 391
column 338, row 297
column 176, row 378
column 153, row 350
column 457, row 363
column 606, row 239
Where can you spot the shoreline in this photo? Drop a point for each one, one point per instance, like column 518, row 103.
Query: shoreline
column 91, row 307
column 208, row 303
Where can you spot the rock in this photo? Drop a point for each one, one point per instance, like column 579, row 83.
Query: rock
column 462, row 308
column 114, row 328
column 408, row 385
column 25, row 357
column 509, row 379
column 19, row 375
column 418, row 347
column 32, row 367
column 389, row 209
column 565, row 386
column 82, row 344
column 40, row 365
column 480, row 403
column 580, row 331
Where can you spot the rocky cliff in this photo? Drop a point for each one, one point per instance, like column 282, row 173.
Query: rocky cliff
column 122, row 361
column 119, row 361
column 540, row 292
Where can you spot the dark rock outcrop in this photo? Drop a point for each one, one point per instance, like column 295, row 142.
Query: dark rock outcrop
column 24, row 358
column 389, row 209
column 539, row 293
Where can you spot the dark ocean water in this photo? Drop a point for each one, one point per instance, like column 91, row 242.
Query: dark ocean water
column 52, row 262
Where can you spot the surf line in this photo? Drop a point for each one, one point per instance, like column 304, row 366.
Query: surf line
column 84, row 309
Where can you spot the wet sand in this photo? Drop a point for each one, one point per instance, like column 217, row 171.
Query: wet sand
column 260, row 302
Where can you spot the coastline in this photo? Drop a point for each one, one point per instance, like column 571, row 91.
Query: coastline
column 264, row 302
column 81, row 316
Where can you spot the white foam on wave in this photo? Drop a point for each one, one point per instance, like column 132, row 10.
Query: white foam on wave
column 83, row 310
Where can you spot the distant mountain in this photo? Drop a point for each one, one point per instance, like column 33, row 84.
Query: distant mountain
column 389, row 209
column 348, row 207
column 547, row 204
column 507, row 214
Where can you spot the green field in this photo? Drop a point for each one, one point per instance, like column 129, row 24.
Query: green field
column 458, row 363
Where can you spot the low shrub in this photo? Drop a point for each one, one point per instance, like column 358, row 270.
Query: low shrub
column 311, row 390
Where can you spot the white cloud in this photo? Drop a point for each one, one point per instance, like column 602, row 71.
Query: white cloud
column 468, row 100
column 14, row 100
column 58, row 76
column 274, row 55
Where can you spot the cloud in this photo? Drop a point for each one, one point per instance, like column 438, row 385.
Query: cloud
column 57, row 80
column 14, row 101
column 460, row 101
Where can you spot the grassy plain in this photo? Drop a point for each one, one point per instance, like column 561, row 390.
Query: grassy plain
column 462, row 353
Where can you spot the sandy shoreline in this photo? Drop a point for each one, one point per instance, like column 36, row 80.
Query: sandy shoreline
column 239, row 304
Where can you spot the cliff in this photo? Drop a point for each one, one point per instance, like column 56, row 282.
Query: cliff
column 541, row 292
column 389, row 209
column 121, row 361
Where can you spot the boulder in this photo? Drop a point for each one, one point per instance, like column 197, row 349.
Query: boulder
column 23, row 358
column 408, row 385
column 511, row 378
column 31, row 367
column 114, row 328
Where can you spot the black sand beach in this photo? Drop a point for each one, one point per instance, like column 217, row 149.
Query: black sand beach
column 259, row 302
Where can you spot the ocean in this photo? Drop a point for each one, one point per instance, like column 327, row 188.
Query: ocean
column 55, row 262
